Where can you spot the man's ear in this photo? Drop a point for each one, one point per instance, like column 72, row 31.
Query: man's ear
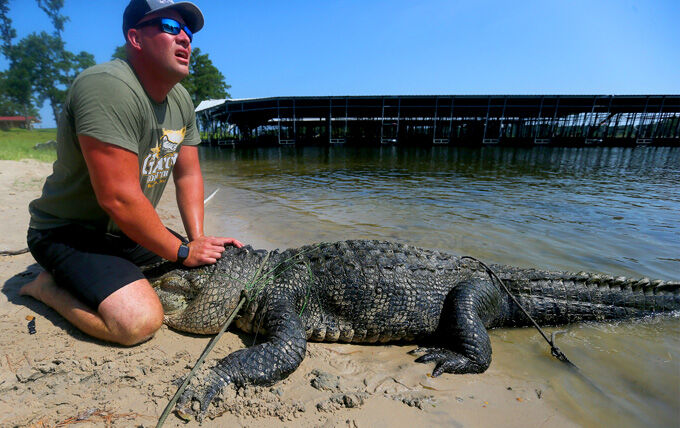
column 134, row 38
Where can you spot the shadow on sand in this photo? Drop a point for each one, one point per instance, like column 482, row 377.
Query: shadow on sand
column 11, row 289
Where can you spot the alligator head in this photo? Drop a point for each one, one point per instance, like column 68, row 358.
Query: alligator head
column 197, row 300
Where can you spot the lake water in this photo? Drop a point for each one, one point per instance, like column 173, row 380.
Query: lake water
column 610, row 210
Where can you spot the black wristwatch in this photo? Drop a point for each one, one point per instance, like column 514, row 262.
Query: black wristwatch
column 182, row 253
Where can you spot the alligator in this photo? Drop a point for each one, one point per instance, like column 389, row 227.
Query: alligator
column 376, row 292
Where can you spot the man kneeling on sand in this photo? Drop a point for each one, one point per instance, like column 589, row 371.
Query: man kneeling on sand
column 125, row 128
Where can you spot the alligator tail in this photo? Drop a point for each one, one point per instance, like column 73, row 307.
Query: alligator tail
column 554, row 298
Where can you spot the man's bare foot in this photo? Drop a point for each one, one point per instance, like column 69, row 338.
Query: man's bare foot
column 38, row 286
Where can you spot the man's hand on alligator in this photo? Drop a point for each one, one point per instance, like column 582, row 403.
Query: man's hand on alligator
column 208, row 249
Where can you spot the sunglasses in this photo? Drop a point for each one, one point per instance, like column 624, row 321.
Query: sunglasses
column 169, row 25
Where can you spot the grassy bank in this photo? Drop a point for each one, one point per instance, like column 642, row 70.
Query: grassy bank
column 17, row 144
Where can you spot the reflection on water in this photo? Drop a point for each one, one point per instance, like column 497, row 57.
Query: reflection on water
column 612, row 210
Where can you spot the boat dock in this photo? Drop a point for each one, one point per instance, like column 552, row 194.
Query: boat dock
column 472, row 120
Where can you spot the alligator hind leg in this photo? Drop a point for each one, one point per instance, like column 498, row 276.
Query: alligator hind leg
column 468, row 310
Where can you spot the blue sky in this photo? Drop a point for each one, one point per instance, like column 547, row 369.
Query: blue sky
column 324, row 47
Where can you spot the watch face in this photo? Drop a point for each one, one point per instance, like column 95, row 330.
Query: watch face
column 183, row 252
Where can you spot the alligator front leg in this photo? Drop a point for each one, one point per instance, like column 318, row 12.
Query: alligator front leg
column 263, row 364
column 468, row 310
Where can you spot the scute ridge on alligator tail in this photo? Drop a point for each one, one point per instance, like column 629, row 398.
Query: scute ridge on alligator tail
column 374, row 291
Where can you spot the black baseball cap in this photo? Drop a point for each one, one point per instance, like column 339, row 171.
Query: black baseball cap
column 138, row 9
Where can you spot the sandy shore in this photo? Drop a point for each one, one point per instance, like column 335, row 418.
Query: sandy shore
column 59, row 375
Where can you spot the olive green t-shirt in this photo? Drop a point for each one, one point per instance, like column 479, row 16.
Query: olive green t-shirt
column 107, row 102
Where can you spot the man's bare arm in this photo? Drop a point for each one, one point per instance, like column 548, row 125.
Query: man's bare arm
column 114, row 173
column 189, row 187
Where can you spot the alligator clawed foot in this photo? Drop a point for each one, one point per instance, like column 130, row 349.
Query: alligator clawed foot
column 194, row 404
column 194, row 401
column 447, row 361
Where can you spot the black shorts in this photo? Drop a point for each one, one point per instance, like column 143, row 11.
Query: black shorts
column 90, row 265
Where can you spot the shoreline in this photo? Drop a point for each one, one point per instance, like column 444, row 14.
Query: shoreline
column 59, row 373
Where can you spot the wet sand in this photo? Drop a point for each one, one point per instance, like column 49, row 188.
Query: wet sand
column 59, row 375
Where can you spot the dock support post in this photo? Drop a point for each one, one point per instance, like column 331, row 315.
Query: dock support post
column 486, row 120
column 278, row 115
column 500, row 125
column 658, row 117
column 641, row 131
column 382, row 122
column 398, row 116
column 584, row 124
column 451, row 119
column 536, row 130
column 630, row 123
column 552, row 124
column 607, row 120
column 346, row 117
column 434, row 127
column 616, row 125
column 591, row 119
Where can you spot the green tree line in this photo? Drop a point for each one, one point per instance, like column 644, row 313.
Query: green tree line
column 42, row 69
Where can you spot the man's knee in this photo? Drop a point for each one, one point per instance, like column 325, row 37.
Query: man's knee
column 139, row 330
column 133, row 313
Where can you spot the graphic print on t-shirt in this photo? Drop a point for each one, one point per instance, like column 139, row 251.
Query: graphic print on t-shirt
column 159, row 162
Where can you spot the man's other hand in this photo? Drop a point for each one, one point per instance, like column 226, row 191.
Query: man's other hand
column 206, row 250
